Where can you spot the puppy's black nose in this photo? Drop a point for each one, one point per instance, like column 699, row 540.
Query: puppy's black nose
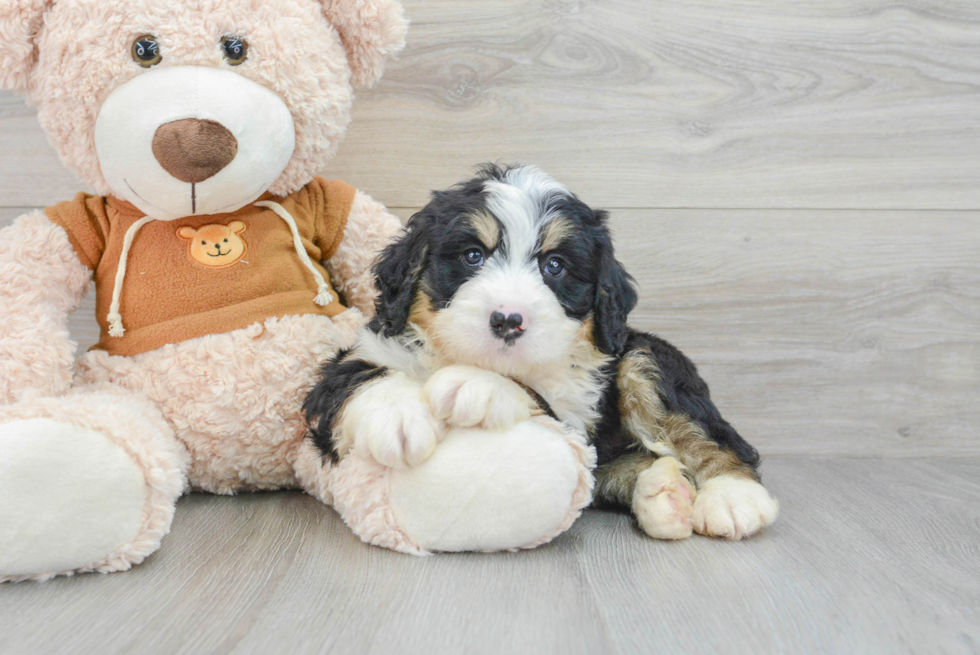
column 507, row 328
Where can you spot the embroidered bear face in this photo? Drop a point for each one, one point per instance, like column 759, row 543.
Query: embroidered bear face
column 215, row 245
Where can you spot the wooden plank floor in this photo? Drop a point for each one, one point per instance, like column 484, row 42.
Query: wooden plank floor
column 868, row 556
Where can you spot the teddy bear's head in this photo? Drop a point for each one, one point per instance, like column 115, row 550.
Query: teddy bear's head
column 195, row 106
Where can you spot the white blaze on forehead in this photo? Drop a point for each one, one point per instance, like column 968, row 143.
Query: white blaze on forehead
column 520, row 202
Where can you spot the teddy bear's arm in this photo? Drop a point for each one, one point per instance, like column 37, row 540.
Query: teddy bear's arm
column 42, row 281
column 369, row 229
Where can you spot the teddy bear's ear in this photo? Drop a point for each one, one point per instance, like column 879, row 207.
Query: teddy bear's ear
column 186, row 233
column 237, row 227
column 20, row 22
column 371, row 31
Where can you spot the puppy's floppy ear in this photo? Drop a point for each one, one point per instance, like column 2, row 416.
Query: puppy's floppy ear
column 371, row 31
column 398, row 273
column 615, row 298
column 20, row 22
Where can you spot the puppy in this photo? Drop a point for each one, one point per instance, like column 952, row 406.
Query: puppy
column 502, row 300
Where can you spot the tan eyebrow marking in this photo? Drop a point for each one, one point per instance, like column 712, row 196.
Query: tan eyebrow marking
column 555, row 232
column 486, row 228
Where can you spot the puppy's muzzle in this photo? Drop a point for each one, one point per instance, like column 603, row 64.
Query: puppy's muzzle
column 509, row 328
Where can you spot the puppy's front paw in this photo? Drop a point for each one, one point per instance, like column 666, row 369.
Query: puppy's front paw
column 733, row 508
column 466, row 396
column 663, row 500
column 390, row 422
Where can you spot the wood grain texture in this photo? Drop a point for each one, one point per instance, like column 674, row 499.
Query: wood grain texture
column 710, row 103
column 820, row 332
column 867, row 557
column 649, row 103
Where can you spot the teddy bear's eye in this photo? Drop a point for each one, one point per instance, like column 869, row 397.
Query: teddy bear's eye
column 226, row 240
column 236, row 50
column 204, row 243
column 146, row 51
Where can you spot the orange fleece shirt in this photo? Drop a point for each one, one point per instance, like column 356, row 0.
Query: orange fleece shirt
column 206, row 274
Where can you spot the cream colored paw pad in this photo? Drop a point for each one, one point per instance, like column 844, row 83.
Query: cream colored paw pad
column 663, row 500
column 733, row 508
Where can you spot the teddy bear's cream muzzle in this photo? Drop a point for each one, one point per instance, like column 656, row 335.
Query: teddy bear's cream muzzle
column 192, row 140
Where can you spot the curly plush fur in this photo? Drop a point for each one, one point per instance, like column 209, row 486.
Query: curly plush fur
column 41, row 282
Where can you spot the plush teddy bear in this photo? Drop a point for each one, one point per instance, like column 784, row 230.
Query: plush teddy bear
column 225, row 274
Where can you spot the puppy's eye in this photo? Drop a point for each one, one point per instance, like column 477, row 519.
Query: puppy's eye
column 146, row 51
column 236, row 50
column 554, row 267
column 473, row 257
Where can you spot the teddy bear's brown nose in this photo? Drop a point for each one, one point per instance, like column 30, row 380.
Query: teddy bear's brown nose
column 192, row 150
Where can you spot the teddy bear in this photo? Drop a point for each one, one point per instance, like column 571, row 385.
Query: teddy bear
column 225, row 273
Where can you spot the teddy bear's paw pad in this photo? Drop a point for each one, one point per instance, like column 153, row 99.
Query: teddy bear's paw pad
column 488, row 490
column 663, row 500
column 466, row 396
column 733, row 508
column 70, row 497
column 393, row 425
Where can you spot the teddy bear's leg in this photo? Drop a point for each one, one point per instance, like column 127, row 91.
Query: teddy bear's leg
column 88, row 482
column 481, row 490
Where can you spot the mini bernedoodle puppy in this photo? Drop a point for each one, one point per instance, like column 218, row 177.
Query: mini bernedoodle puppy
column 503, row 299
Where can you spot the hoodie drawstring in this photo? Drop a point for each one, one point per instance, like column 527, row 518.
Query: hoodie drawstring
column 323, row 296
column 116, row 328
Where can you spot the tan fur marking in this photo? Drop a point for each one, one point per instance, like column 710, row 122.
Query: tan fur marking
column 669, row 433
column 555, row 232
column 593, row 358
column 486, row 228
column 588, row 359
column 699, row 453
column 421, row 313
column 639, row 404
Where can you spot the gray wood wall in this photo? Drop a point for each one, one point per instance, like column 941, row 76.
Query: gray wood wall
column 795, row 185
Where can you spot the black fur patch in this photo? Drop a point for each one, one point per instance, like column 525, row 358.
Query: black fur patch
column 615, row 299
column 397, row 273
column 339, row 379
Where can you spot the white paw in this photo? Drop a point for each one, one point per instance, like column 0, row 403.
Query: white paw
column 733, row 508
column 391, row 423
column 663, row 500
column 466, row 396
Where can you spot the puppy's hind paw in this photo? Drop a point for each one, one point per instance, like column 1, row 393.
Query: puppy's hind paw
column 663, row 500
column 733, row 508
column 466, row 396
